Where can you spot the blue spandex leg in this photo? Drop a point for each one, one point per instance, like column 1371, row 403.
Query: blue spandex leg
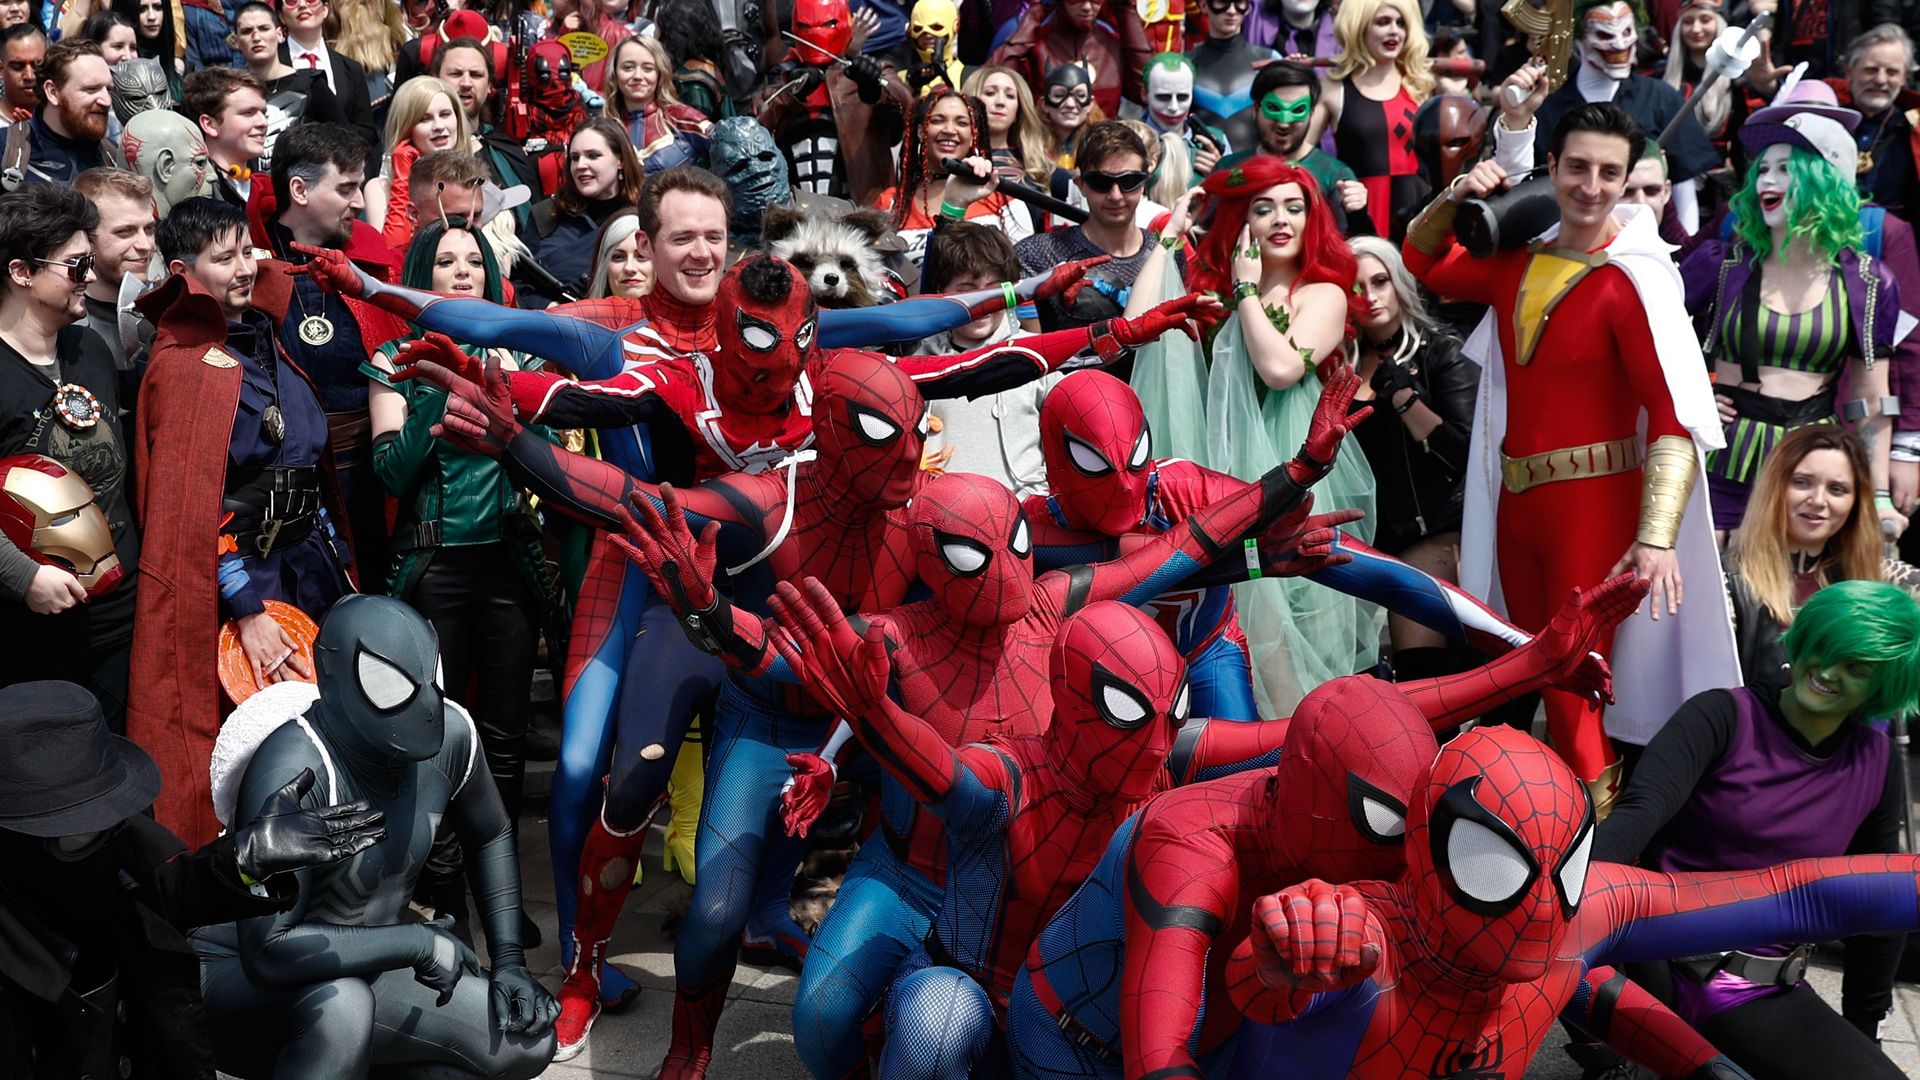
column 881, row 916
column 1041, row 1050
column 940, row 1026
column 1222, row 682
column 667, row 681
column 741, row 838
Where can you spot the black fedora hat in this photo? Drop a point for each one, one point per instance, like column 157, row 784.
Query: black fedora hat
column 62, row 773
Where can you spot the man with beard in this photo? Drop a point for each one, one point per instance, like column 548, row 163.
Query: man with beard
column 1284, row 95
column 23, row 48
column 1879, row 63
column 230, row 107
column 466, row 64
column 122, row 248
column 67, row 135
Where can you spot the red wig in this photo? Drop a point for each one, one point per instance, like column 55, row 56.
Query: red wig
column 1324, row 255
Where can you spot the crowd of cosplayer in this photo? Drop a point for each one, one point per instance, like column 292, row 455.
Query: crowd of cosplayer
column 174, row 173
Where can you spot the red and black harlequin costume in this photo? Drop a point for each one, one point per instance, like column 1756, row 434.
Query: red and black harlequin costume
column 972, row 662
column 1458, row 966
column 1132, row 964
column 836, row 517
column 1588, row 343
column 678, row 422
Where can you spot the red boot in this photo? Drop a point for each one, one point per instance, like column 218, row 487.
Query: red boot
column 696, row 1014
column 606, row 876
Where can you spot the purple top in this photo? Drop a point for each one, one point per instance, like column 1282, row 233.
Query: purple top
column 1267, row 25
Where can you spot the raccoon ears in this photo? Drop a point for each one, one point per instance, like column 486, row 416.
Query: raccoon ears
column 779, row 221
column 872, row 222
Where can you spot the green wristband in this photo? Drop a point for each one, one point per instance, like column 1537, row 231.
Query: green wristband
column 1243, row 290
column 1172, row 241
column 1883, row 500
column 952, row 212
column 1006, row 290
column 1252, row 547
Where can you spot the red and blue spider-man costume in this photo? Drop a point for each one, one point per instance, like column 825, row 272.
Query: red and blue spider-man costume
column 833, row 517
column 1105, row 485
column 1128, row 964
column 972, row 661
column 624, row 704
column 1457, row 967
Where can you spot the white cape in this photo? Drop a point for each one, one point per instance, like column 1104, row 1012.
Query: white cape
column 1656, row 665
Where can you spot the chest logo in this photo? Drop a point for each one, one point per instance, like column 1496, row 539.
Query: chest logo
column 1463, row 1062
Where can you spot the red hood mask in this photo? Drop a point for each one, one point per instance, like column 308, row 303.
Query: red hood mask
column 869, row 426
column 1095, row 440
column 1356, row 750
column 766, row 325
column 1119, row 697
column 827, row 26
column 1498, row 844
column 971, row 546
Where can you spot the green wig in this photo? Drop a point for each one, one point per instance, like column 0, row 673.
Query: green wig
column 1164, row 61
column 1826, row 208
column 1867, row 621
column 417, row 272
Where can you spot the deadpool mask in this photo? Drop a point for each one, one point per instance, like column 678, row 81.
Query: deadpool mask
column 1356, row 750
column 1094, row 437
column 550, row 76
column 825, row 29
column 869, row 427
column 1120, row 695
column 767, row 324
column 1498, row 845
column 971, row 546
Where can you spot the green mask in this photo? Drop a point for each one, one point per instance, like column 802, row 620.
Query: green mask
column 1844, row 686
column 1280, row 111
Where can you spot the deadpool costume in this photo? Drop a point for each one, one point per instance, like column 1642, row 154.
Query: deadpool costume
column 836, row 117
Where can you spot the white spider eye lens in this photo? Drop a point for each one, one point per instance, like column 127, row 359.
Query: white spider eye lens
column 1573, row 872
column 803, row 338
column 759, row 338
column 1141, row 447
column 1180, row 703
column 875, row 428
column 1384, row 820
column 963, row 558
column 385, row 685
column 1087, row 459
column 1022, row 542
column 1485, row 867
column 1121, row 706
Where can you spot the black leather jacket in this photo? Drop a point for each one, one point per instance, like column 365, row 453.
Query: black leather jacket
column 1419, row 483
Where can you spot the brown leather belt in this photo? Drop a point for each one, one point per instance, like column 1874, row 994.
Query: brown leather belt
column 1573, row 463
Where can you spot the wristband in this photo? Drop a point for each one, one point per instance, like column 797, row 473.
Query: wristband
column 1412, row 400
column 1883, row 500
column 1172, row 241
column 952, row 212
column 1243, row 290
column 1252, row 547
column 1006, row 292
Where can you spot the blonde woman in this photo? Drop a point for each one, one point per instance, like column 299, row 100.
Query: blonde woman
column 639, row 92
column 1380, row 77
column 425, row 117
column 371, row 33
column 1017, row 139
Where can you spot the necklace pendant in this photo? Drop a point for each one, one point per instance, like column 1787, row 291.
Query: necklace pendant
column 1866, row 163
column 76, row 406
column 316, row 330
column 273, row 424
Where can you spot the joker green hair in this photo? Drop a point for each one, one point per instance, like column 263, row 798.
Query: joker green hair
column 1164, row 61
column 1826, row 208
column 1868, row 621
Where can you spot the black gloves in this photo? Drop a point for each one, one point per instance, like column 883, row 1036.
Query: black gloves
column 865, row 72
column 286, row 837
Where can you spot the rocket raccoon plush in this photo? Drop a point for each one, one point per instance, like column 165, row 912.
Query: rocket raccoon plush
column 842, row 253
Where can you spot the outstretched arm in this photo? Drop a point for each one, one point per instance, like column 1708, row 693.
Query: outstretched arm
column 925, row 316
column 1639, row 1027
column 1209, row 749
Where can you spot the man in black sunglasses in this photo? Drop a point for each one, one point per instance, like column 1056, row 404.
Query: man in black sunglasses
column 1113, row 176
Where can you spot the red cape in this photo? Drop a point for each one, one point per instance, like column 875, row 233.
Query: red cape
column 182, row 430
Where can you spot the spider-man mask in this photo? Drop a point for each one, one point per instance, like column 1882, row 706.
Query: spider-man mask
column 869, row 425
column 766, row 325
column 825, row 29
column 1093, row 435
column 972, row 548
column 1119, row 697
column 1356, row 751
column 1497, row 852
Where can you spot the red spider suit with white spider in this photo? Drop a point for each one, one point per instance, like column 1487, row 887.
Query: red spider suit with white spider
column 1457, row 967
column 1126, row 968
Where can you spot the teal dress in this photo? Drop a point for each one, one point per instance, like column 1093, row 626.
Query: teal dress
column 1299, row 634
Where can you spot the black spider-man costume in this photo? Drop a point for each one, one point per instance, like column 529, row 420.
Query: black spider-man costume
column 696, row 427
column 1457, row 967
column 1128, row 964
column 972, row 662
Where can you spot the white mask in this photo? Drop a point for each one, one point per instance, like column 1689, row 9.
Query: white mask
column 1607, row 40
column 1170, row 96
column 1299, row 12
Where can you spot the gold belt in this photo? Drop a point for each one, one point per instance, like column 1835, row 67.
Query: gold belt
column 1572, row 463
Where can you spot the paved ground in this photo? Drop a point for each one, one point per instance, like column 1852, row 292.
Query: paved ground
column 755, row 1042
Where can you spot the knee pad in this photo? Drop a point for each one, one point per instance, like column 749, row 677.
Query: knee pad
column 939, row 1026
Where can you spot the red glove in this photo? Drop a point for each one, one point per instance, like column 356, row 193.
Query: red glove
column 843, row 671
column 1310, row 938
column 1190, row 314
column 479, row 419
column 1299, row 545
column 1066, row 280
column 443, row 351
column 679, row 564
column 331, row 270
column 1564, row 651
column 1329, row 426
column 806, row 795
